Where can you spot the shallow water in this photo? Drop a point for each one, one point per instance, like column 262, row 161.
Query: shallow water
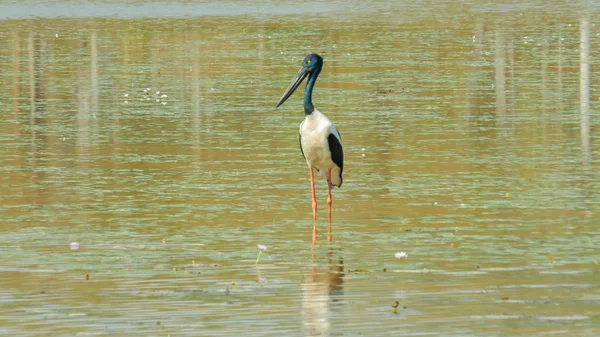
column 146, row 133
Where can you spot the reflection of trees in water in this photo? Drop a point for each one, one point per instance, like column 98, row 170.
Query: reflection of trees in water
column 193, row 54
column 585, row 91
column 500, row 70
column 87, row 96
column 16, row 70
column 37, row 118
column 588, row 190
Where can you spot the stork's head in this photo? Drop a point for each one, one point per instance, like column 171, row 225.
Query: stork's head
column 311, row 65
column 312, row 62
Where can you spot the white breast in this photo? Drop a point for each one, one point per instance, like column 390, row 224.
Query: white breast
column 314, row 131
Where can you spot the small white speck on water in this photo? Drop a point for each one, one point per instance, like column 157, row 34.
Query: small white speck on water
column 281, row 52
column 158, row 101
column 74, row 245
column 163, row 103
column 163, row 96
column 56, row 35
column 364, row 155
column 126, row 95
column 525, row 37
column 435, row 202
column 147, row 98
column 269, row 36
column 363, row 149
column 401, row 255
column 570, row 24
column 212, row 89
column 64, row 138
column 158, row 92
column 126, row 102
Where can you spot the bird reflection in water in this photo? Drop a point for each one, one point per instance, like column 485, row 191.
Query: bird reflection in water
column 322, row 294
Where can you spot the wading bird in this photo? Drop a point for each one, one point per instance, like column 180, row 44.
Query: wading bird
column 320, row 141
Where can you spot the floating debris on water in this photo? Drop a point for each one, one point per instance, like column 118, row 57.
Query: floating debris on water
column 385, row 92
column 401, row 255
column 395, row 307
column 74, row 245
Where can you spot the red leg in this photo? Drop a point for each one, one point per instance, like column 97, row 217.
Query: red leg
column 329, row 203
column 314, row 204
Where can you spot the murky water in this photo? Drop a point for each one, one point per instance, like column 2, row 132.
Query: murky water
column 146, row 133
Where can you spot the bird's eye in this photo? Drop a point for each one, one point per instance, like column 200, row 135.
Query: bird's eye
column 308, row 61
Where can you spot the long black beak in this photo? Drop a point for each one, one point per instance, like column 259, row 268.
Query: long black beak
column 300, row 76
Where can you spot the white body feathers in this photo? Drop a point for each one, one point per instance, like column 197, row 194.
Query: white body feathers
column 314, row 133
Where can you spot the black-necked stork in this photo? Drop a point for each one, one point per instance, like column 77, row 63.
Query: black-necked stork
column 320, row 141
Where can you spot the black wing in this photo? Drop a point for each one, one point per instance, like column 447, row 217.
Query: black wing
column 337, row 153
column 300, row 140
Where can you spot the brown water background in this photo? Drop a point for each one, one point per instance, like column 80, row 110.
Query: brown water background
column 146, row 133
